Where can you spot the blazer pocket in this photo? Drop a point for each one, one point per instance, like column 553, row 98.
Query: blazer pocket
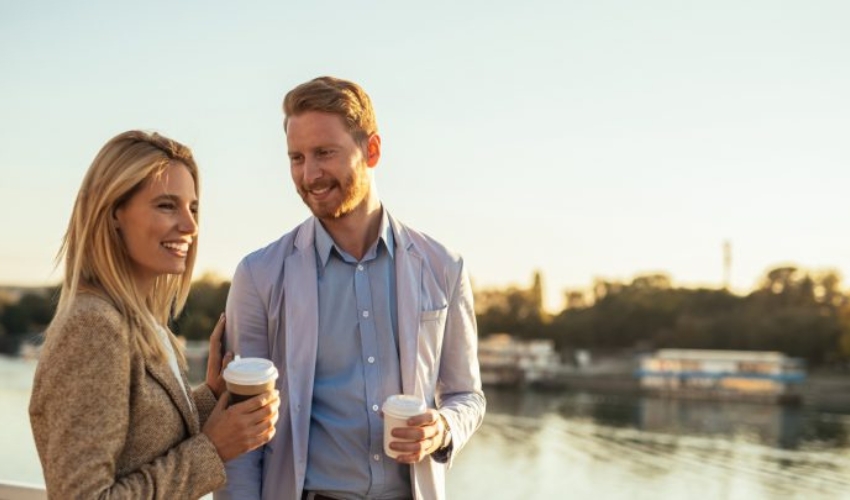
column 435, row 315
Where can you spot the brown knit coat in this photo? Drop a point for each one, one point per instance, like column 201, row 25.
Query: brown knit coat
column 109, row 423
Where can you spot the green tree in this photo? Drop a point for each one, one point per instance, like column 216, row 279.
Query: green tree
column 31, row 313
column 518, row 311
column 798, row 312
column 204, row 305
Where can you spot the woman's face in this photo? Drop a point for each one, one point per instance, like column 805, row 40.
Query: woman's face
column 158, row 224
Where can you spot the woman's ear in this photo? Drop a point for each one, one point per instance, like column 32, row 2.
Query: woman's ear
column 113, row 220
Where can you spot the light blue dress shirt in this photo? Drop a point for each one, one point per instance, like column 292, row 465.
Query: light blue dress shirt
column 357, row 367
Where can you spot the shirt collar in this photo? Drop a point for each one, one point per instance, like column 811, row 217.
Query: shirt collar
column 325, row 243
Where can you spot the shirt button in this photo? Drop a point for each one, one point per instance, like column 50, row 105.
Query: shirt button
column 376, row 457
column 359, row 267
column 365, row 314
column 371, row 359
column 374, row 407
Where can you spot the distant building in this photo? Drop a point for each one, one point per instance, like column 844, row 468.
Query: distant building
column 700, row 373
column 30, row 346
column 506, row 360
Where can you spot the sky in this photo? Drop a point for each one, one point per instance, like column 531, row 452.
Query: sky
column 582, row 139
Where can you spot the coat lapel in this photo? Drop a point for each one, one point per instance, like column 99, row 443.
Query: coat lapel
column 408, row 283
column 301, row 332
column 162, row 373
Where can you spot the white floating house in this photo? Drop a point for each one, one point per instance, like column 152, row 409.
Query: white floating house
column 745, row 375
column 506, row 360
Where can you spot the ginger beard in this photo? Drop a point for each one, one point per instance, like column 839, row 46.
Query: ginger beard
column 331, row 199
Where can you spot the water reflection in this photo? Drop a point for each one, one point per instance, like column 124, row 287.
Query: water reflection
column 602, row 446
column 784, row 427
column 594, row 447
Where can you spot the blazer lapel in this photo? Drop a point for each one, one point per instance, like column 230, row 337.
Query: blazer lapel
column 408, row 283
column 162, row 373
column 301, row 332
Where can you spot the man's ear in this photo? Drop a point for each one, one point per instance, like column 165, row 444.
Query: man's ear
column 373, row 150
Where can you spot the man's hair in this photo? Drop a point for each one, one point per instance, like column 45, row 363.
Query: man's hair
column 333, row 95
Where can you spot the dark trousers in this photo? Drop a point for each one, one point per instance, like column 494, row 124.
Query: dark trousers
column 315, row 496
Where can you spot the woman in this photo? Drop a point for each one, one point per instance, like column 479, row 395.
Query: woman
column 111, row 410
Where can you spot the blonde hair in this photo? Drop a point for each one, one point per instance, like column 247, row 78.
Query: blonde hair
column 96, row 259
column 333, row 95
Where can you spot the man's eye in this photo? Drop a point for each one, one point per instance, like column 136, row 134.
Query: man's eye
column 166, row 206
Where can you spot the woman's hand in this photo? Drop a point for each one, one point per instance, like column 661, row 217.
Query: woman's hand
column 243, row 426
column 215, row 362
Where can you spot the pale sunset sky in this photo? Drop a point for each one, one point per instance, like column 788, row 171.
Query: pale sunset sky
column 583, row 139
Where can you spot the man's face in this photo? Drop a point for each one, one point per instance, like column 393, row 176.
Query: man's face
column 328, row 167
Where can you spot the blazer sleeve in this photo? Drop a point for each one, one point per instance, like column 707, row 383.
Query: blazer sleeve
column 205, row 402
column 247, row 330
column 80, row 418
column 460, row 398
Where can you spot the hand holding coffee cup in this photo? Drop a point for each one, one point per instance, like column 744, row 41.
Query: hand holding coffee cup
column 412, row 431
column 244, row 426
column 253, row 402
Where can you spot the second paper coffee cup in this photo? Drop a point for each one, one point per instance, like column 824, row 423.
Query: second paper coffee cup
column 247, row 377
column 397, row 409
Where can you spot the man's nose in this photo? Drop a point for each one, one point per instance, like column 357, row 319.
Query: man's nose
column 312, row 171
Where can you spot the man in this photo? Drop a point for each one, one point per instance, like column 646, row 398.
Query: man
column 353, row 306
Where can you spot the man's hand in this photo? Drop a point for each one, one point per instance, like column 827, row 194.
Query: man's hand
column 423, row 436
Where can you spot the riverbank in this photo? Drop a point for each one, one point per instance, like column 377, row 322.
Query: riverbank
column 820, row 389
column 826, row 390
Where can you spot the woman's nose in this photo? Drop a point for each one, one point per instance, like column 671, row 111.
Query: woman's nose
column 188, row 223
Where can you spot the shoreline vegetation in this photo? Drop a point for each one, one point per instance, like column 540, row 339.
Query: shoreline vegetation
column 821, row 390
column 800, row 313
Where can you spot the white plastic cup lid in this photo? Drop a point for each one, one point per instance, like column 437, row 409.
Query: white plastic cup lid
column 250, row 371
column 402, row 405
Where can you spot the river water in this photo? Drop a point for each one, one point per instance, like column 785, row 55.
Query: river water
column 591, row 446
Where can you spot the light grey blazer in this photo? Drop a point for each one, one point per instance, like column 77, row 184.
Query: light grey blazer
column 272, row 312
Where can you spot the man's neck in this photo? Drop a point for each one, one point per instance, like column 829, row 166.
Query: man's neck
column 356, row 231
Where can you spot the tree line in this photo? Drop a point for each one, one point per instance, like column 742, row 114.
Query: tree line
column 799, row 312
column 26, row 318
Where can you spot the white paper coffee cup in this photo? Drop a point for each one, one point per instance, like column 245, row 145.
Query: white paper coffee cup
column 397, row 409
column 248, row 377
